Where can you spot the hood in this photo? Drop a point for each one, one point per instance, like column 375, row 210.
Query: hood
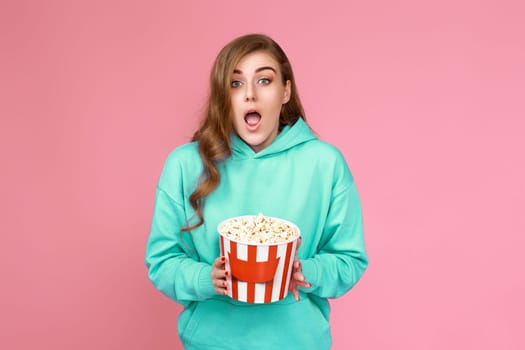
column 289, row 137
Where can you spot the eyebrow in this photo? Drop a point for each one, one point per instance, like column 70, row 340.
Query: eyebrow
column 260, row 69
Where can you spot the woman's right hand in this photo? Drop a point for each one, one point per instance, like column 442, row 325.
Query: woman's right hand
column 218, row 275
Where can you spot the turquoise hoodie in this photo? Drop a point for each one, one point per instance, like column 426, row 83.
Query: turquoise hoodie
column 298, row 178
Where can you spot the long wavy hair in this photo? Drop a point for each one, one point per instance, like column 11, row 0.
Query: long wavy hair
column 213, row 134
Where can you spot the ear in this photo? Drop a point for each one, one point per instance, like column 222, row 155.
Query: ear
column 287, row 92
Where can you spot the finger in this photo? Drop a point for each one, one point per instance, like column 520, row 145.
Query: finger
column 219, row 275
column 221, row 291
column 295, row 293
column 220, row 286
column 298, row 276
column 219, row 283
column 297, row 247
column 303, row 284
column 218, row 265
column 220, row 262
column 299, row 279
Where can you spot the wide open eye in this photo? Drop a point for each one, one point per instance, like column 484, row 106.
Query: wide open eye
column 236, row 83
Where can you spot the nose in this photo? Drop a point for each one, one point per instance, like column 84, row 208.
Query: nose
column 249, row 93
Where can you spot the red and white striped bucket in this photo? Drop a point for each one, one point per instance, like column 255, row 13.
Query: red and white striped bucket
column 259, row 272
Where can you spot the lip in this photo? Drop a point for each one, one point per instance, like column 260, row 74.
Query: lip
column 251, row 110
column 252, row 127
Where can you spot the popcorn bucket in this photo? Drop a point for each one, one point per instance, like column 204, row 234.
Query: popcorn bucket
column 259, row 271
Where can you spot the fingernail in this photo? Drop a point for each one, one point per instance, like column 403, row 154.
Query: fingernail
column 226, row 273
column 223, row 259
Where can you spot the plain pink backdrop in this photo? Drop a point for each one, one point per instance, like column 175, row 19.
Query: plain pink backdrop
column 425, row 99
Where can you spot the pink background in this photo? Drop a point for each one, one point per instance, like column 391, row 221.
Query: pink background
column 425, row 99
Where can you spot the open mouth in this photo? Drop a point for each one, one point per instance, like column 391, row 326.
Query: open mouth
column 252, row 118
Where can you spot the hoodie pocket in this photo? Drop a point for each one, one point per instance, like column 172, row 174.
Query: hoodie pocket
column 188, row 321
column 215, row 324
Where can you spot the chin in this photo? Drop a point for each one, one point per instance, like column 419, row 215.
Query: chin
column 254, row 142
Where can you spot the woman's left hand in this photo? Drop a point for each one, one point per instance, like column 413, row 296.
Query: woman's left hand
column 297, row 279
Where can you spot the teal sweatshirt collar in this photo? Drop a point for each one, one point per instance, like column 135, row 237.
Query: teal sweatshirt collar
column 290, row 136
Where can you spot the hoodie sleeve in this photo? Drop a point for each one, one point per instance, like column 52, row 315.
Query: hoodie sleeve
column 172, row 262
column 341, row 258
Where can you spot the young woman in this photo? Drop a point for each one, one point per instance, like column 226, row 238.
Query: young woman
column 254, row 153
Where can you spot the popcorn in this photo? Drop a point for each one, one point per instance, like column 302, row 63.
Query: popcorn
column 258, row 229
column 259, row 253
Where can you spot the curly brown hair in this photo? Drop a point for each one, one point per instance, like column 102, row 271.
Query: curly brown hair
column 213, row 135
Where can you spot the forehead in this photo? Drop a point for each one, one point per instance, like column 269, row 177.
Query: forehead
column 252, row 61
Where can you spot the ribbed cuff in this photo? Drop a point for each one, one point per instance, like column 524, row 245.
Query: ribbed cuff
column 310, row 272
column 205, row 285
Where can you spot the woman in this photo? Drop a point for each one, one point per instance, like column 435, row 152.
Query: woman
column 254, row 153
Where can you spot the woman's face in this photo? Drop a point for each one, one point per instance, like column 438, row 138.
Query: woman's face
column 257, row 95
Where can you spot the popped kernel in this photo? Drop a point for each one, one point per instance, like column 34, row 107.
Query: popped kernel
column 258, row 229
